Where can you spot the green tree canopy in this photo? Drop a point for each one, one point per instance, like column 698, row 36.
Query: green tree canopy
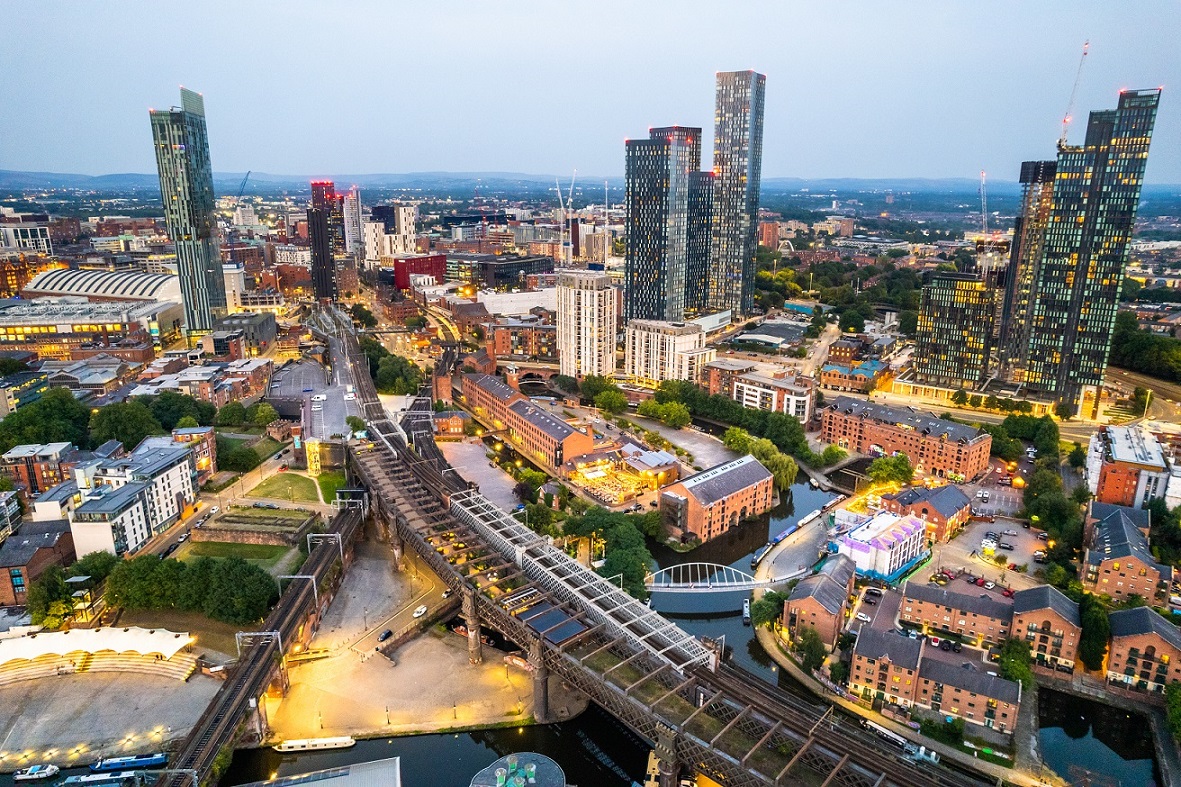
column 1016, row 662
column 609, row 401
column 188, row 422
column 168, row 407
column 356, row 423
column 363, row 316
column 265, row 414
column 768, row 609
column 57, row 417
column 397, row 375
column 810, row 648
column 891, row 468
column 1092, row 646
column 231, row 414
column 127, row 422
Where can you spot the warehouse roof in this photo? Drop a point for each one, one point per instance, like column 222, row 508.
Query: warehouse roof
column 924, row 423
column 716, row 483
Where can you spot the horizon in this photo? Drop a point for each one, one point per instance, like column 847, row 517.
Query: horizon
column 862, row 91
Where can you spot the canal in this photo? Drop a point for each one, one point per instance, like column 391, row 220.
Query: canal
column 1087, row 742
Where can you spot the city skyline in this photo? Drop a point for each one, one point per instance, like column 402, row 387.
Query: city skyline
column 894, row 93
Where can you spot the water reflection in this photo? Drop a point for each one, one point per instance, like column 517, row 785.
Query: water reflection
column 1088, row 742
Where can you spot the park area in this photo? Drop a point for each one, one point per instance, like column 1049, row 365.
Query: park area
column 265, row 556
column 287, row 486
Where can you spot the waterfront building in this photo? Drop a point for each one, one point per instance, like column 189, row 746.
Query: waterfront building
column 587, row 323
column 186, row 189
column 712, row 502
column 1145, row 650
column 1069, row 276
column 776, row 392
column 886, row 545
column 978, row 616
column 1117, row 560
column 737, row 174
column 1050, row 623
column 821, row 600
column 945, row 509
column 536, row 433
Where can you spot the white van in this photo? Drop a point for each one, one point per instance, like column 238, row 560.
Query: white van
column 319, row 398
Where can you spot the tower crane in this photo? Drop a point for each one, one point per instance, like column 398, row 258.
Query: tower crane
column 232, row 234
column 242, row 187
column 1073, row 94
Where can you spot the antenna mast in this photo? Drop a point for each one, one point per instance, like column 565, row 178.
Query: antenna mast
column 983, row 205
column 1073, row 93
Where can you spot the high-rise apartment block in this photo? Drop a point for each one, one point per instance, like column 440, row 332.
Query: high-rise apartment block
column 699, row 240
column 186, row 189
column 1070, row 252
column 323, row 260
column 657, row 350
column 658, row 170
column 325, row 198
column 351, row 212
column 953, row 339
column 737, row 169
column 587, row 325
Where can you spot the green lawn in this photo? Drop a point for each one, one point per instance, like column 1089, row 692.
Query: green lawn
column 329, row 483
column 266, row 447
column 287, row 486
column 265, row 556
column 244, row 429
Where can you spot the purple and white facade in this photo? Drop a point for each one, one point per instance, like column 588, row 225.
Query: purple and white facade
column 886, row 545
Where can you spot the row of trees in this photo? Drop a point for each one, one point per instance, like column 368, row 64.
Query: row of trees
column 230, row 590
column 50, row 599
column 1143, row 351
column 392, row 374
column 992, row 402
column 782, row 466
column 257, row 414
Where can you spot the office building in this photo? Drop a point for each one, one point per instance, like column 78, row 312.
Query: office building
column 324, row 285
column 737, row 170
column 657, row 224
column 186, row 188
column 704, row 506
column 934, row 446
column 1126, row 466
column 27, row 236
column 587, row 324
column 954, row 338
column 495, row 272
column 656, row 350
column 1074, row 267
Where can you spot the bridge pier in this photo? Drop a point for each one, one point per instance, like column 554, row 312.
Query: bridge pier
column 475, row 648
column 666, row 752
column 540, row 683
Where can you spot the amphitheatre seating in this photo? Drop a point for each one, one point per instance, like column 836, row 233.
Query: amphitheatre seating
column 164, row 654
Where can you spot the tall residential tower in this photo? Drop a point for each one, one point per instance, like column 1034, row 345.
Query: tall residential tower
column 587, row 324
column 658, row 178
column 1061, row 339
column 738, row 167
column 186, row 188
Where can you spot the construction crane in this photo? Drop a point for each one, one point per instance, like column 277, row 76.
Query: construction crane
column 1078, row 75
column 232, row 234
column 242, row 187
column 563, row 228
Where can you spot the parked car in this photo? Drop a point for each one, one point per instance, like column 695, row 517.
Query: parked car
column 447, row 593
column 1008, row 593
column 945, row 645
column 214, row 510
column 383, row 636
column 869, row 600
column 935, row 641
column 993, row 535
column 985, row 495
column 863, row 617
column 1009, row 533
column 956, row 647
column 1005, row 545
column 873, row 591
column 989, row 585
column 1043, row 536
column 980, row 582
column 418, row 613
column 979, row 494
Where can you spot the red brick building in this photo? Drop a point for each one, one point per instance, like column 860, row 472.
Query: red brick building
column 984, row 618
column 404, row 267
column 718, row 376
column 1145, row 650
column 522, row 339
column 706, row 505
column 25, row 556
column 821, row 600
column 1118, row 561
column 936, row 447
column 541, row 436
column 945, row 509
column 1049, row 622
column 35, row 468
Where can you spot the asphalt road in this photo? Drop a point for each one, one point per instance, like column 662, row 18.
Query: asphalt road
column 1165, row 404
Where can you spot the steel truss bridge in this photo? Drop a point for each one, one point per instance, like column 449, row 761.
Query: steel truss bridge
column 710, row 578
column 660, row 681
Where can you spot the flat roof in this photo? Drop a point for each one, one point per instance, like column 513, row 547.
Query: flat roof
column 1134, row 445
column 884, row 530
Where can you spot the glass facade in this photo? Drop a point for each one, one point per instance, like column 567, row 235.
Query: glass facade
column 186, row 188
column 701, row 204
column 1061, row 306
column 738, row 167
column 951, row 344
column 658, row 178
column 323, row 261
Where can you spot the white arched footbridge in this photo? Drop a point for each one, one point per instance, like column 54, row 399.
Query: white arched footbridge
column 710, row 578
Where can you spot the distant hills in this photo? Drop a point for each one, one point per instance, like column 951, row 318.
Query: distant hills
column 228, row 182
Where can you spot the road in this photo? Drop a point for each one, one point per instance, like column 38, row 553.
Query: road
column 1165, row 404
column 329, row 418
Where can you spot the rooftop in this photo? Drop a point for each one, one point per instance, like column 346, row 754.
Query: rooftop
column 494, row 385
column 550, row 424
column 37, row 451
column 130, row 285
column 884, row 530
column 906, row 418
column 663, row 326
column 72, row 309
column 947, row 500
column 983, row 603
column 1142, row 620
column 1046, row 597
column 970, row 677
column 829, row 593
column 377, row 773
column 20, row 547
column 1117, row 535
column 731, row 366
column 1134, row 445
column 721, row 481
column 899, row 650
column 104, row 499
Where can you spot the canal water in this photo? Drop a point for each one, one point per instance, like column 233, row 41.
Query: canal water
column 1086, row 742
column 593, row 750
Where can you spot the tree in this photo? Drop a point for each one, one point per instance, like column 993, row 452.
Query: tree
column 232, row 414
column 565, row 382
column 1092, row 646
column 768, row 609
column 48, row 588
column 594, row 384
column 839, row 672
column 240, row 459
column 974, row 401
column 363, row 316
column 238, row 592
column 1077, row 457
column 188, row 422
column 169, row 407
column 96, row 565
column 613, row 402
column 1173, row 708
column 908, row 322
column 397, row 375
column 676, row 415
column 810, row 648
column 1065, row 410
column 896, row 468
column 265, row 414
column 57, row 417
column 355, row 423
column 127, row 422
column 1016, row 662
column 960, row 397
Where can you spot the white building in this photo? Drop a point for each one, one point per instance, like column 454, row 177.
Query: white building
column 1128, row 459
column 353, row 242
column 885, row 544
column 288, row 254
column 244, row 215
column 27, row 236
column 587, row 323
column 234, row 276
column 655, row 350
column 777, row 393
column 517, row 304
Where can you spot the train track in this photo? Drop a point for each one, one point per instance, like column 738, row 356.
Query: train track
column 249, row 677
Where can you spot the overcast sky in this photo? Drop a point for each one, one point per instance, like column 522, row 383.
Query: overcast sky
column 873, row 89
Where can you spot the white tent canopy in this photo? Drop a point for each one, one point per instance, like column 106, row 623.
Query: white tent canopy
column 118, row 640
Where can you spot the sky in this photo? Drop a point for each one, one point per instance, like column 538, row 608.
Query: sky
column 854, row 89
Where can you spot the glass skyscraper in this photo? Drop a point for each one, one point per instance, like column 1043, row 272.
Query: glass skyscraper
column 952, row 340
column 1078, row 271
column 324, row 284
column 699, row 241
column 738, row 167
column 186, row 188
column 658, row 186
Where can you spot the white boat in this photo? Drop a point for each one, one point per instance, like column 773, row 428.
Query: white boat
column 315, row 744
column 36, row 773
